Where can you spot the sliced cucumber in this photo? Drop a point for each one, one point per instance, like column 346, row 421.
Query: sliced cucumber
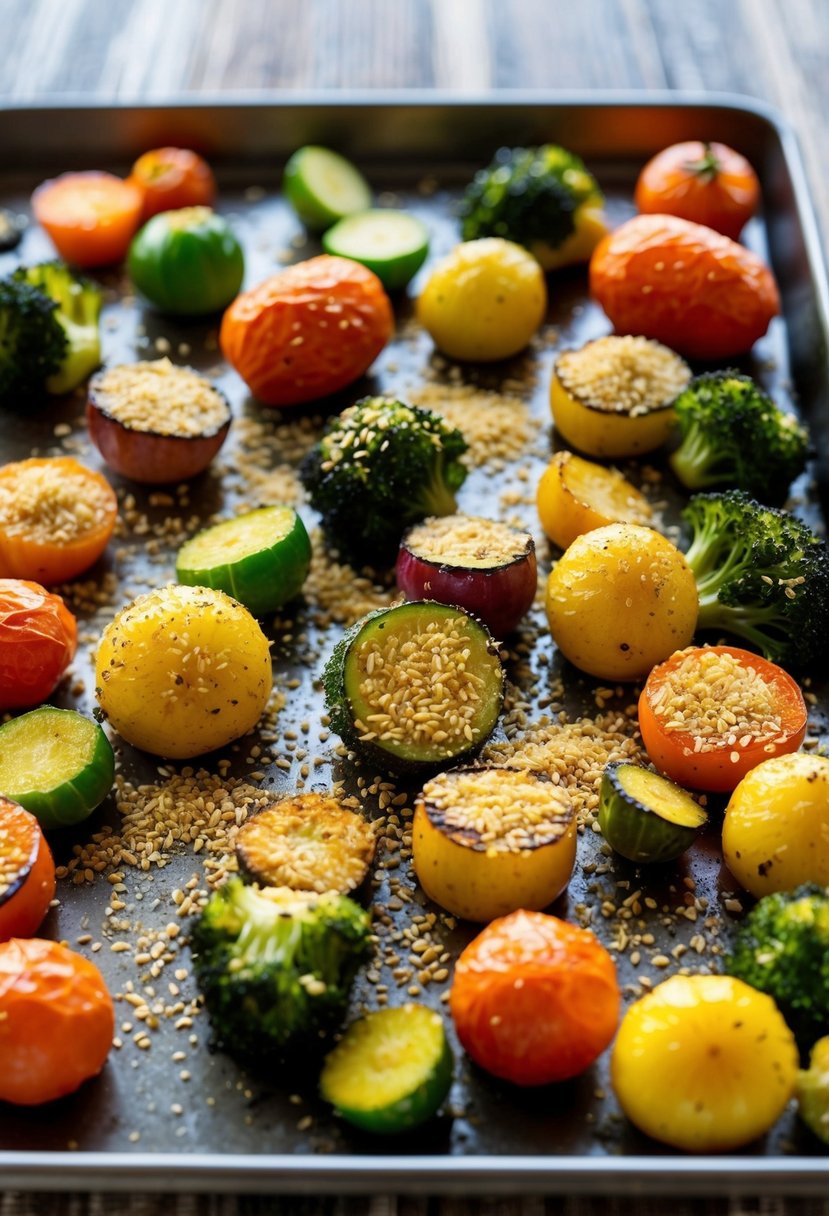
column 323, row 186
column 644, row 816
column 415, row 687
column 391, row 1070
column 391, row 243
column 261, row 558
column 57, row 764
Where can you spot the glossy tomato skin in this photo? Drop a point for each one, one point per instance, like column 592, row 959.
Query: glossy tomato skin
column 685, row 285
column 170, row 178
column 534, row 999
column 38, row 639
column 718, row 771
column 308, row 331
column 27, row 872
column 89, row 216
column 708, row 184
column 187, row 262
column 56, row 1021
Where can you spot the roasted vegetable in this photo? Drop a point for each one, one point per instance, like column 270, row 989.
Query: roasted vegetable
column 762, row 574
column 381, row 466
column 393, row 244
column 813, row 1091
column 78, row 313
column 734, row 435
column 782, row 948
column 323, row 187
column 38, row 639
column 89, row 216
column 275, row 966
column 543, row 198
column 575, row 496
column 704, row 1063
column 171, row 178
column 27, row 872
column 645, row 817
column 708, row 183
column 187, row 262
column 33, row 344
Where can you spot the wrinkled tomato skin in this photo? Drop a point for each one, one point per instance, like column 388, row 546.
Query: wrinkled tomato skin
column 308, row 331
column 685, row 285
column 534, row 999
column 673, row 183
column 38, row 639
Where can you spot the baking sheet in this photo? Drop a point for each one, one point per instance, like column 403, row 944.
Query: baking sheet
column 236, row 1132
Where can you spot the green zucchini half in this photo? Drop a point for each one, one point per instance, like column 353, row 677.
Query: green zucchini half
column 323, row 187
column 57, row 764
column 644, row 816
column 393, row 244
column 391, row 1070
column 415, row 687
column 261, row 558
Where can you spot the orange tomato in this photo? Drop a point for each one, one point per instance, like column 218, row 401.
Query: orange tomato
column 91, row 217
column 56, row 518
column 27, row 872
column 172, row 178
column 720, row 769
column 56, row 1021
column 308, row 331
column 707, row 183
column 685, row 285
column 38, row 639
column 534, row 999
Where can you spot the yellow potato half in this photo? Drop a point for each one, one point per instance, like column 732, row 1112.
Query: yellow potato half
column 704, row 1063
column 620, row 600
column 575, row 496
column 182, row 671
column 488, row 841
column 776, row 827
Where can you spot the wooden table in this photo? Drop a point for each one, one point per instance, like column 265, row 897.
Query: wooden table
column 137, row 50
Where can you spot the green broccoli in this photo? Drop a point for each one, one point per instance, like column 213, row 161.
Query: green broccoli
column 275, row 966
column 543, row 198
column 381, row 466
column 78, row 310
column 734, row 435
column 762, row 574
column 782, row 948
column 32, row 343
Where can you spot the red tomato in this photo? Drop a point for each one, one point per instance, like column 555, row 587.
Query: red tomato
column 172, row 178
column 715, row 683
column 38, row 639
column 56, row 1021
column 534, row 999
column 707, row 183
column 27, row 872
column 683, row 284
column 308, row 331
column 91, row 217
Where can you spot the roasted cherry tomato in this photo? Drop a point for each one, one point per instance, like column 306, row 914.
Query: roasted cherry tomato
column 704, row 182
column 27, row 872
column 89, row 216
column 56, row 1021
column 38, row 638
column 308, row 331
column 535, row 999
column 710, row 714
column 685, row 285
column 170, row 178
column 187, row 262
column 56, row 518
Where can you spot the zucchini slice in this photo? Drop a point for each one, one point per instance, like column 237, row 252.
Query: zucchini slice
column 323, row 187
column 261, row 558
column 393, row 244
column 415, row 687
column 644, row 816
column 309, row 842
column 57, row 764
column 391, row 1070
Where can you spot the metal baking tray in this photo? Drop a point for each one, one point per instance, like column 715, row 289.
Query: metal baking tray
column 229, row 1131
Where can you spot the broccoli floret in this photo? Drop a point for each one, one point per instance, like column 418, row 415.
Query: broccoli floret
column 78, row 310
column 32, row 342
column 528, row 195
column 381, row 466
column 275, row 966
column 782, row 948
column 734, row 435
column 762, row 574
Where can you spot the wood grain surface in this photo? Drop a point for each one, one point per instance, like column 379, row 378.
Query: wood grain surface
column 137, row 50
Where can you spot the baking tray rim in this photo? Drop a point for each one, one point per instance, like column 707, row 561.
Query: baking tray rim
column 307, row 1173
